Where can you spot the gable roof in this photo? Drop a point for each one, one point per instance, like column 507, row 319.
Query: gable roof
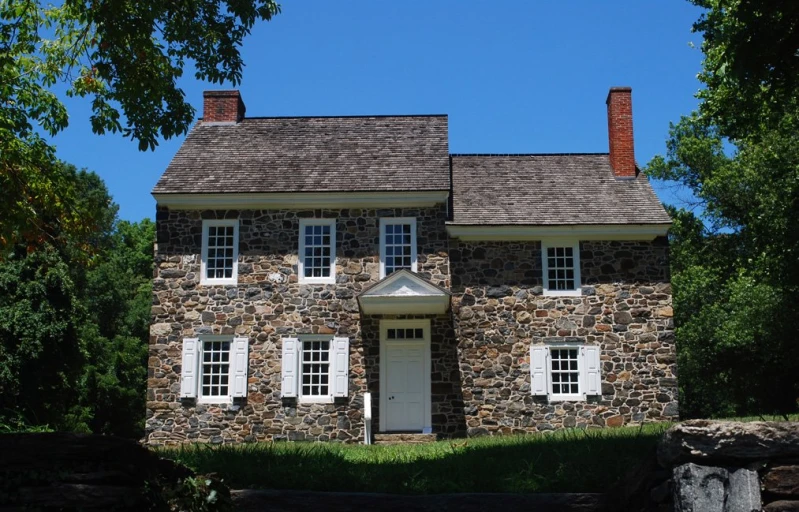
column 312, row 154
column 404, row 293
column 549, row 189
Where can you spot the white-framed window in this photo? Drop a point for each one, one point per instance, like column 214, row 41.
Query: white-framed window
column 214, row 374
column 561, row 267
column 315, row 368
column 220, row 252
column 567, row 372
column 564, row 373
column 317, row 255
column 214, row 368
column 397, row 245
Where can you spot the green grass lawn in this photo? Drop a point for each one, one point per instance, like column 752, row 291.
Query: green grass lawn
column 560, row 461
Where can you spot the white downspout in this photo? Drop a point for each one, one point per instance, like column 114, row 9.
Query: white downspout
column 367, row 418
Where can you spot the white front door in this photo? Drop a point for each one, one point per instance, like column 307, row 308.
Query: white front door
column 405, row 376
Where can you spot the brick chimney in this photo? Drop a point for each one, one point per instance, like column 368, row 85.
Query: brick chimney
column 620, row 132
column 222, row 107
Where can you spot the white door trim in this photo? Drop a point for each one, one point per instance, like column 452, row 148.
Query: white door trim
column 384, row 326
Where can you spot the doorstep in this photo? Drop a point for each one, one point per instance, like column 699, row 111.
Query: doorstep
column 403, row 438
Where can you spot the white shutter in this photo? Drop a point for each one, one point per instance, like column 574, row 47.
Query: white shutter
column 341, row 366
column 238, row 367
column 593, row 381
column 188, row 374
column 289, row 367
column 538, row 369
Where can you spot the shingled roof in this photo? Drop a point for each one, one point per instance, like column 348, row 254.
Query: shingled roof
column 312, row 154
column 554, row 189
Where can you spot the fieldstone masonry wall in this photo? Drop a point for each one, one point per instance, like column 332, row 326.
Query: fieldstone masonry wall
column 500, row 310
column 479, row 351
column 267, row 305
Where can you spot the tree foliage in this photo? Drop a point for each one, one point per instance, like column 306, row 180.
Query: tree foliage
column 74, row 321
column 126, row 57
column 735, row 271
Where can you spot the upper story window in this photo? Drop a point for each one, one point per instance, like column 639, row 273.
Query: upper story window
column 397, row 245
column 317, row 257
column 220, row 252
column 561, row 265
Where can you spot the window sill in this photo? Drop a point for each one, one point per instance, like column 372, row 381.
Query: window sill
column 219, row 282
column 315, row 399
column 327, row 280
column 383, row 274
column 566, row 398
column 563, row 293
column 216, row 400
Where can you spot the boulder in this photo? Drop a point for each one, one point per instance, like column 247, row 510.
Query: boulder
column 715, row 489
column 782, row 506
column 782, row 480
column 728, row 442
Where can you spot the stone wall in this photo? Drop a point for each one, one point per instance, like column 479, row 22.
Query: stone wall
column 500, row 310
column 719, row 466
column 267, row 305
column 479, row 351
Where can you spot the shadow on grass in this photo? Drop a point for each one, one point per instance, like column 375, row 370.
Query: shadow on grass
column 565, row 461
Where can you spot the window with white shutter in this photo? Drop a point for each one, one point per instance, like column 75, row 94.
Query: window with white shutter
column 214, row 368
column 315, row 368
column 188, row 373
column 538, row 369
column 565, row 372
column 341, row 366
column 289, row 368
column 593, row 380
column 239, row 367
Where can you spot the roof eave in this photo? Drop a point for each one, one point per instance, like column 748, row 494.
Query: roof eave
column 302, row 200
column 510, row 232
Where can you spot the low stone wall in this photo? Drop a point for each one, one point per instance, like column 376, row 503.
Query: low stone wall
column 63, row 471
column 708, row 466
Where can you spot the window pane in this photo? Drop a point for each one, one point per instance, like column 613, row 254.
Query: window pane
column 219, row 253
column 315, row 374
column 560, row 273
column 565, row 375
column 317, row 260
column 398, row 247
column 215, row 368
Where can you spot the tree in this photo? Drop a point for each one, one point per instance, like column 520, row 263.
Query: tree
column 42, row 309
column 751, row 70
column 74, row 321
column 126, row 56
column 118, row 297
column 735, row 275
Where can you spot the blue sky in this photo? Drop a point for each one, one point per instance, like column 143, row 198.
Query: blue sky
column 513, row 76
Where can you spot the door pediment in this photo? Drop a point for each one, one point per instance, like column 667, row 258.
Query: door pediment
column 404, row 293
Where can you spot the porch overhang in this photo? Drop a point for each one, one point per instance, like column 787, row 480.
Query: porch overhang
column 404, row 293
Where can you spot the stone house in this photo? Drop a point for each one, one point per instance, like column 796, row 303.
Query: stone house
column 339, row 278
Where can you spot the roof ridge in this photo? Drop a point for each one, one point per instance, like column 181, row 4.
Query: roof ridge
column 528, row 154
column 353, row 116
